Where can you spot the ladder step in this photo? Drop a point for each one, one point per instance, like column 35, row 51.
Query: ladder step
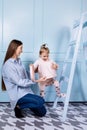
column 72, row 43
column 63, row 78
column 76, row 23
column 68, row 61
column 58, row 99
column 85, row 24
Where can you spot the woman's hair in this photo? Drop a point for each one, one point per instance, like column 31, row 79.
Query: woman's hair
column 14, row 44
column 43, row 48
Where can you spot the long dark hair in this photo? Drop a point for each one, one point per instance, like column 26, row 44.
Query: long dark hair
column 14, row 44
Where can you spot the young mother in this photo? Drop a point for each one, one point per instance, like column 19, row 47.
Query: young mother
column 17, row 83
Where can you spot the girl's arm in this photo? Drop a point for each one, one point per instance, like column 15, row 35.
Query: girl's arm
column 32, row 75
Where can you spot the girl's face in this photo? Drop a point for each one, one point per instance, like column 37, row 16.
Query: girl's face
column 18, row 51
column 44, row 56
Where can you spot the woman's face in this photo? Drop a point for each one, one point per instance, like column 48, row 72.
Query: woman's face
column 19, row 51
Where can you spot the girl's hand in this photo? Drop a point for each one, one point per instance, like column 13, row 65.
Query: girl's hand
column 54, row 66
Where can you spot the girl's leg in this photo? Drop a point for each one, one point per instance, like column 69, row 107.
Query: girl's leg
column 42, row 93
column 56, row 84
column 42, row 90
column 34, row 102
column 59, row 94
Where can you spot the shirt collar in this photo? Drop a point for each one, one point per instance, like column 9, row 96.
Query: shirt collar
column 15, row 60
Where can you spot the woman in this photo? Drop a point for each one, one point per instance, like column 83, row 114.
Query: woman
column 17, row 83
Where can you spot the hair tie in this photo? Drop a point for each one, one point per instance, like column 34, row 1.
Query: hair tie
column 44, row 45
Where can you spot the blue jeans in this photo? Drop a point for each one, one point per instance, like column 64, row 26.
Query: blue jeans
column 34, row 102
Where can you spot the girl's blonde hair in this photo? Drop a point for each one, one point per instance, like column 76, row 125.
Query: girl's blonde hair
column 43, row 48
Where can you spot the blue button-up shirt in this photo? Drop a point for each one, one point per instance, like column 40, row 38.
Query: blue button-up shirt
column 16, row 80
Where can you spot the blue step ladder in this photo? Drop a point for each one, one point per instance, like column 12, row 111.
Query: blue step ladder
column 74, row 41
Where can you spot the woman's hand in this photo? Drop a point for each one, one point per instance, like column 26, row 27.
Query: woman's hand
column 40, row 80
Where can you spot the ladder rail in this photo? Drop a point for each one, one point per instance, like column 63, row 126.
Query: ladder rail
column 73, row 66
column 71, row 43
column 62, row 75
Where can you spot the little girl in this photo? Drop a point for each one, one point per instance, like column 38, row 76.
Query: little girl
column 46, row 68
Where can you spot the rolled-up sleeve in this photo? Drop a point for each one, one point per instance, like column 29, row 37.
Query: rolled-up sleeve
column 10, row 74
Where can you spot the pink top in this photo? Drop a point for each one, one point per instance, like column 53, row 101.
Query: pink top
column 45, row 69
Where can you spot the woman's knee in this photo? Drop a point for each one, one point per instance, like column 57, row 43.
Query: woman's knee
column 41, row 111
